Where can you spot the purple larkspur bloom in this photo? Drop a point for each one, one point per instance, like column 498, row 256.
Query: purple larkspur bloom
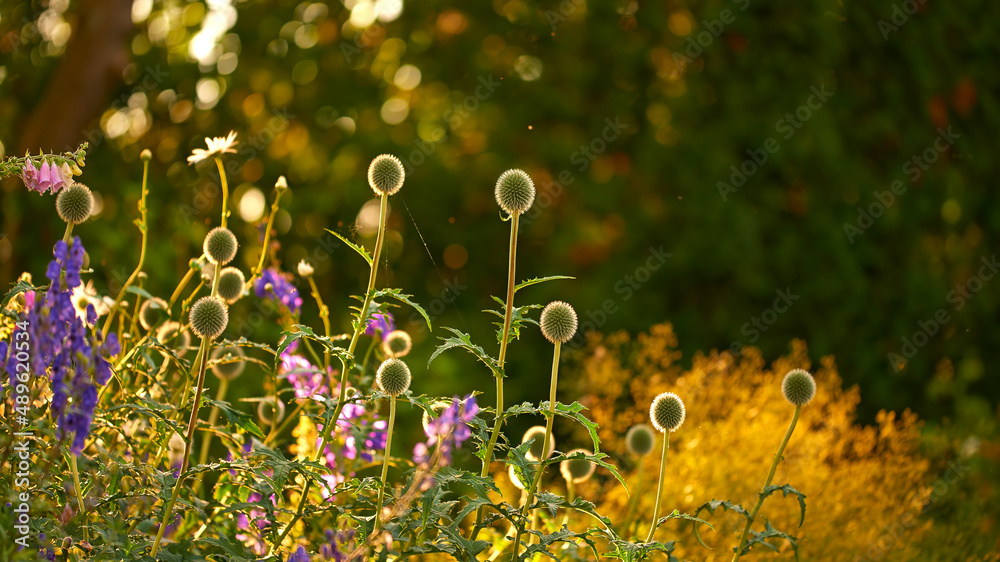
column 448, row 431
column 70, row 352
column 47, row 177
column 380, row 323
column 281, row 289
column 338, row 545
column 299, row 555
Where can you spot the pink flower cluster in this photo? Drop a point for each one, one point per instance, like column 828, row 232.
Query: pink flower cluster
column 48, row 177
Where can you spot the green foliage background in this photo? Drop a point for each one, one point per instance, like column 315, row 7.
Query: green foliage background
column 301, row 67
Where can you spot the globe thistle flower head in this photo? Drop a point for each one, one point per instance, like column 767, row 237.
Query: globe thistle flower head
column 226, row 368
column 208, row 317
column 639, row 440
column 152, row 312
column 558, row 322
column 799, row 387
column 305, row 269
column 393, row 377
column 220, row 245
column 537, row 433
column 170, row 334
column 515, row 192
column 577, row 470
column 667, row 412
column 231, row 284
column 75, row 203
column 386, row 174
column 270, row 412
column 397, row 344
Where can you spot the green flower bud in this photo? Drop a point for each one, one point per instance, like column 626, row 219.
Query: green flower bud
column 535, row 451
column 799, row 387
column 75, row 203
column 639, row 440
column 514, row 191
column 558, row 322
column 228, row 369
column 209, row 317
column 231, row 283
column 386, row 174
column 152, row 312
column 577, row 470
column 393, row 377
column 667, row 412
column 397, row 344
column 220, row 245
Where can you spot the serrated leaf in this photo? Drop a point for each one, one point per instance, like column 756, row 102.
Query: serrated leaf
column 770, row 532
column 361, row 251
column 238, row 418
column 464, row 341
column 538, row 280
column 405, row 299
column 788, row 489
column 711, row 506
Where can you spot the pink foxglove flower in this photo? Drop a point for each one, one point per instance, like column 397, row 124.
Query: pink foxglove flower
column 46, row 178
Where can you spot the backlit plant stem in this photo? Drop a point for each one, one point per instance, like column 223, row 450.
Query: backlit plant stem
column 213, row 418
column 180, row 286
column 69, row 232
column 225, row 190
column 79, row 493
column 324, row 314
column 143, row 228
column 509, row 310
column 659, row 486
column 545, row 443
column 770, row 476
column 255, row 272
column 385, row 465
column 363, row 318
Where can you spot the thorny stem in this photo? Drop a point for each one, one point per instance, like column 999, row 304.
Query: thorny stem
column 362, row 320
column 142, row 252
column 545, row 443
column 488, row 458
column 770, row 476
column 385, row 465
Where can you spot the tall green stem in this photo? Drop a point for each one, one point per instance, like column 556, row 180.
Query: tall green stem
column 770, row 476
column 142, row 252
column 385, row 464
column 255, row 272
column 213, row 418
column 509, row 310
column 634, row 503
column 545, row 443
column 192, row 423
column 79, row 494
column 225, row 190
column 69, row 232
column 659, row 486
column 324, row 314
column 362, row 320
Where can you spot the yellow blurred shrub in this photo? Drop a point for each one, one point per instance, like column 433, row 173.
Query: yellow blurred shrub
column 865, row 485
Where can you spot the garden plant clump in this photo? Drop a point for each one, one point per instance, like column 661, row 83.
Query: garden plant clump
column 112, row 399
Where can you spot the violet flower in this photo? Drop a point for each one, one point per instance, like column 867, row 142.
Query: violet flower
column 448, row 431
column 281, row 289
column 380, row 323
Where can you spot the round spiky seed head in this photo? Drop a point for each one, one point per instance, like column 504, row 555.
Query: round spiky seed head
column 799, row 387
column 393, row 377
column 514, row 479
column 231, row 283
column 397, row 344
column 152, row 312
column 515, row 192
column 577, row 470
column 535, row 451
column 558, row 322
column 170, row 334
column 220, row 245
column 305, row 269
column 437, row 407
column 667, row 412
column 639, row 440
column 209, row 317
column 227, row 368
column 270, row 414
column 386, row 174
column 75, row 203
